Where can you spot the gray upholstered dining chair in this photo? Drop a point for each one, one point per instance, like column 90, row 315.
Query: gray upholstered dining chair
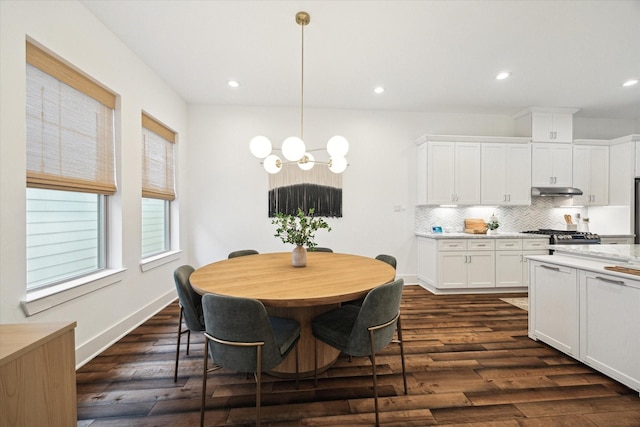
column 320, row 249
column 190, row 309
column 389, row 259
column 364, row 330
column 243, row 252
column 240, row 335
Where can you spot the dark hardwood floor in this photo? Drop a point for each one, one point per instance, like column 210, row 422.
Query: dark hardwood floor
column 469, row 363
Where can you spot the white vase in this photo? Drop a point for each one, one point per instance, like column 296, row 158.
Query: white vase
column 492, row 232
column 299, row 256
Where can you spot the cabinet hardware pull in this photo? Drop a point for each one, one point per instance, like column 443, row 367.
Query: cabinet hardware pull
column 548, row 267
column 615, row 282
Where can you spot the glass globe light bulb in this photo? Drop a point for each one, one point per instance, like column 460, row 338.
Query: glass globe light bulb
column 337, row 146
column 337, row 164
column 293, row 148
column 306, row 162
column 260, row 146
column 272, row 164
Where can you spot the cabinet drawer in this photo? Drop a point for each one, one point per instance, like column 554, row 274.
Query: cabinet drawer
column 509, row 244
column 529, row 244
column 452, row 245
column 481, row 244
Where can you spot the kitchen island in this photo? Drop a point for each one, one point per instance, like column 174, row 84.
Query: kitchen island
column 584, row 301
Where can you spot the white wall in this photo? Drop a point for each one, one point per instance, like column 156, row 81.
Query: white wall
column 67, row 29
column 231, row 186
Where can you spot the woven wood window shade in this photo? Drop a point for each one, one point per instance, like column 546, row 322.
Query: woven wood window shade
column 157, row 160
column 70, row 121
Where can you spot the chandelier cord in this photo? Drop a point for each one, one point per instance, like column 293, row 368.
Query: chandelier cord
column 302, row 85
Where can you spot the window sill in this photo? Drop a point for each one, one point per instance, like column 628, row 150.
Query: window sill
column 158, row 260
column 44, row 299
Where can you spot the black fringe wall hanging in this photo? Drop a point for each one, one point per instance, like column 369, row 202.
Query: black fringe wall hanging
column 293, row 188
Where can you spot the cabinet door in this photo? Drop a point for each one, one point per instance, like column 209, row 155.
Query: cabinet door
column 467, row 173
column 582, row 173
column 493, row 171
column 561, row 165
column 481, row 269
column 508, row 269
column 518, row 172
column 553, row 306
column 452, row 269
column 421, row 172
column 542, row 127
column 610, row 326
column 541, row 165
column 440, row 173
column 622, row 164
column 599, row 176
column 562, row 127
column 525, row 263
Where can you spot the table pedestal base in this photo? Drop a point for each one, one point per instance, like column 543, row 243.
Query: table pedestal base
column 327, row 355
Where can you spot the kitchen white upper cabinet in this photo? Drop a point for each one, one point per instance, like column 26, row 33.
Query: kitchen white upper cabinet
column 552, row 127
column 453, row 173
column 506, row 174
column 591, row 174
column 421, row 173
column 551, row 165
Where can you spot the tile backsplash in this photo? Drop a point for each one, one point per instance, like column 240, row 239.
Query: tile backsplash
column 540, row 214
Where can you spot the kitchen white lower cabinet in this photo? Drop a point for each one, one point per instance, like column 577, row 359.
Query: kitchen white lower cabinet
column 476, row 264
column 553, row 306
column 580, row 309
column 610, row 326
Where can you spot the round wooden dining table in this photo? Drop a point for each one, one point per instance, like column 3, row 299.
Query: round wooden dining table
column 301, row 293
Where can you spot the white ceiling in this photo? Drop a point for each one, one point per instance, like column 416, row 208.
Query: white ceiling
column 431, row 56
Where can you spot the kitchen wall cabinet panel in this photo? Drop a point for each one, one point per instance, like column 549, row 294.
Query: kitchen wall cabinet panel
column 591, row 174
column 553, row 306
column 552, row 127
column 453, row 173
column 506, row 174
column 551, row 165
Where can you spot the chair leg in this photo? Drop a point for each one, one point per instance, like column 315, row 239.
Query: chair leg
column 175, row 373
column 375, row 382
column 258, row 384
column 297, row 368
column 315, row 363
column 204, row 379
column 404, row 372
column 188, row 340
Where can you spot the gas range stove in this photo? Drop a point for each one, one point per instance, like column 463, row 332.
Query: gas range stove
column 564, row 237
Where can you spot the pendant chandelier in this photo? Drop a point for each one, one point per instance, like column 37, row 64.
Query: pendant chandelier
column 293, row 148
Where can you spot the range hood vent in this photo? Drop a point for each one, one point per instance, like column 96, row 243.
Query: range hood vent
column 555, row 191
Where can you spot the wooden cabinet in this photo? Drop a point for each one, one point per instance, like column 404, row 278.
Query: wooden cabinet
column 37, row 375
column 551, row 165
column 453, row 173
column 591, row 174
column 506, row 174
column 466, row 263
column 610, row 326
column 552, row 127
column 553, row 306
column 512, row 268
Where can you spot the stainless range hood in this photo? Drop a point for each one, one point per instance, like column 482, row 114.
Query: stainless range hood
column 556, row 191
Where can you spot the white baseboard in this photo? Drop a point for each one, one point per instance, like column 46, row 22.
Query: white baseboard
column 101, row 342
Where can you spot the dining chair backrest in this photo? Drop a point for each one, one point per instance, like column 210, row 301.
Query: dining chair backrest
column 240, row 320
column 190, row 300
column 320, row 249
column 381, row 305
column 243, row 252
column 389, row 259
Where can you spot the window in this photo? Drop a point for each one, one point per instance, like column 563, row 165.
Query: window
column 70, row 171
column 157, row 186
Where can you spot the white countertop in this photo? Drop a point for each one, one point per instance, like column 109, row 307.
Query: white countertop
column 621, row 253
column 500, row 235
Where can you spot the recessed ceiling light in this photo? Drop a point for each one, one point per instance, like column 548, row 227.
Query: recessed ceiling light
column 503, row 75
column 233, row 83
column 631, row 82
column 378, row 89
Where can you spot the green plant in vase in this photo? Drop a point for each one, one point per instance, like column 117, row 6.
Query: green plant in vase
column 299, row 230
